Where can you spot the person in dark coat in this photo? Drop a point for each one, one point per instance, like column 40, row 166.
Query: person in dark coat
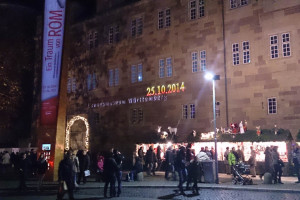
column 33, row 161
column 180, row 167
column 158, row 157
column 195, row 169
column 268, row 167
column 66, row 174
column 110, row 169
column 277, row 165
column 169, row 163
column 24, row 165
column 150, row 160
column 84, row 164
column 119, row 160
column 296, row 161
column 137, row 168
column 42, row 167
column 141, row 154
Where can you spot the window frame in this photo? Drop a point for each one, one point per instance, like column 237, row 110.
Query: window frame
column 271, row 101
column 246, row 52
column 196, row 9
column 287, row 43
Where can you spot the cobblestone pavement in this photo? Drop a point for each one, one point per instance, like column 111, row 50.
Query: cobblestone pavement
column 156, row 187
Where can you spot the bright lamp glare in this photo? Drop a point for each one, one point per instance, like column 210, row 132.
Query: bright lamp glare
column 209, row 76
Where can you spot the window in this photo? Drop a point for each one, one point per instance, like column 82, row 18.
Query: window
column 136, row 73
column 93, row 39
column 272, row 105
column 161, row 68
column 184, row 111
column 165, row 67
column 74, row 84
column 169, row 67
column 246, row 52
column 235, row 54
column 274, row 46
column 113, row 34
column 192, row 111
column 188, row 113
column 285, row 43
column 164, row 18
column 194, row 61
column 202, row 60
column 137, row 27
column 137, row 116
column 286, row 50
column 197, row 9
column 238, row 3
column 198, row 61
column 91, row 81
column 113, row 77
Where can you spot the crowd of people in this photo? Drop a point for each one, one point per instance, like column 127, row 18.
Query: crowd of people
column 182, row 160
column 24, row 164
column 182, row 163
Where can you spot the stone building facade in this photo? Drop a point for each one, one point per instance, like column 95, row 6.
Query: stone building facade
column 140, row 65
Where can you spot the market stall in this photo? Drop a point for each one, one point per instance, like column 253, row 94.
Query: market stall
column 266, row 138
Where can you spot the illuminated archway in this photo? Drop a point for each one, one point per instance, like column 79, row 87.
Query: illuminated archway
column 68, row 129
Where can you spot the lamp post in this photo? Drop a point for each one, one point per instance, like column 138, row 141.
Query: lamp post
column 213, row 77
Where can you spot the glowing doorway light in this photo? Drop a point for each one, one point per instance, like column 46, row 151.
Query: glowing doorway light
column 68, row 129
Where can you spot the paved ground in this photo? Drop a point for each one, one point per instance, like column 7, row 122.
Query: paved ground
column 156, row 187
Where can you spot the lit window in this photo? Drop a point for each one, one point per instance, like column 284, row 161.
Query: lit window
column 274, row 46
column 140, row 72
column 286, row 50
column 184, row 111
column 113, row 77
column 161, row 68
column 136, row 73
column 272, row 105
column 202, row 60
column 89, row 81
column 197, row 9
column 246, row 52
column 116, row 76
column 169, row 67
column 194, row 61
column 192, row 111
column 73, row 84
column 165, row 67
column 235, row 54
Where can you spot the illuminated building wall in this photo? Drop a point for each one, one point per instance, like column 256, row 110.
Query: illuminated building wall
column 121, row 59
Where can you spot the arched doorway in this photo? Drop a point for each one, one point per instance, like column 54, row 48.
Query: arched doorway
column 78, row 128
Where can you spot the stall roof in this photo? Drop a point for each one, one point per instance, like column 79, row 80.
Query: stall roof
column 251, row 136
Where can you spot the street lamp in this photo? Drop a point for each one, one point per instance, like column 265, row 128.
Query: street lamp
column 210, row 76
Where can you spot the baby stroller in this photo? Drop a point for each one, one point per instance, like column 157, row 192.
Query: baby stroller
column 241, row 169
